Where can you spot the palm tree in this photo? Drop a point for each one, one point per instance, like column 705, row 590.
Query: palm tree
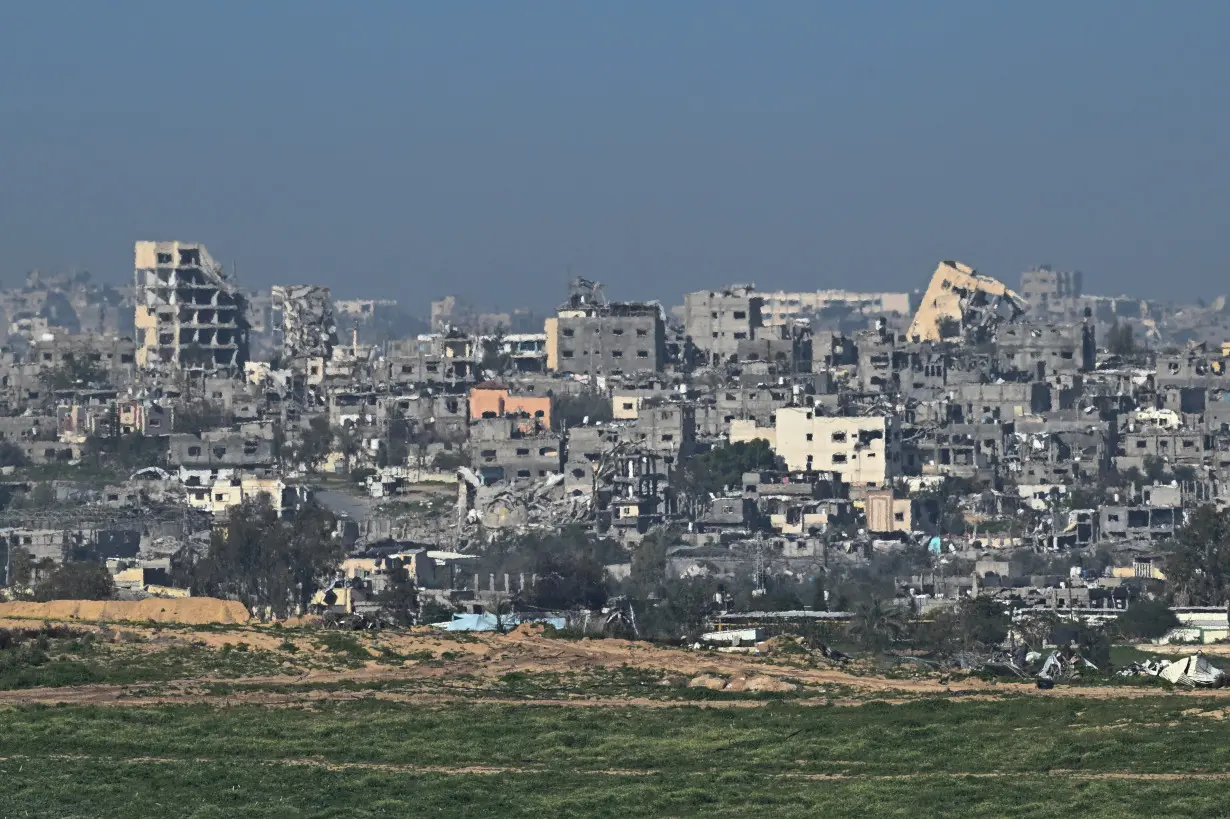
column 877, row 624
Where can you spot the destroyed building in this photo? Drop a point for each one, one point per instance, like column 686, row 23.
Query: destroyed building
column 864, row 451
column 717, row 321
column 591, row 336
column 302, row 324
column 961, row 304
column 972, row 428
column 504, row 451
column 1052, row 291
column 189, row 314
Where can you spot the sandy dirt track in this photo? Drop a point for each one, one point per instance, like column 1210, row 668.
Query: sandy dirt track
column 460, row 667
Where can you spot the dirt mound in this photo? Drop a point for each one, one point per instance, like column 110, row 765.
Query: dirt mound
column 186, row 610
column 762, row 683
column 708, row 681
column 528, row 629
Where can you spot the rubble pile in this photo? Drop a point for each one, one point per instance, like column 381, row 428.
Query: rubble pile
column 1194, row 671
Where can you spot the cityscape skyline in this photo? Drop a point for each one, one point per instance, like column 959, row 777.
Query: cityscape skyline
column 413, row 151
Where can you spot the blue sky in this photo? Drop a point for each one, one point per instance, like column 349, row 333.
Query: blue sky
column 412, row 149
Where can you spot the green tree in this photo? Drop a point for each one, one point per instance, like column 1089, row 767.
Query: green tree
column 1155, row 469
column 713, row 471
column 1089, row 641
column 567, row 577
column 648, row 563
column 399, row 599
column 449, row 461
column 944, row 504
column 74, row 373
column 685, row 607
column 315, row 442
column 1038, row 630
column 976, row 623
column 570, row 566
column 1198, row 560
column 878, row 624
column 76, row 581
column 268, row 562
column 12, row 455
column 349, row 443
column 126, row 453
column 433, row 611
column 22, row 567
column 494, row 358
column 1146, row 620
column 1184, row 473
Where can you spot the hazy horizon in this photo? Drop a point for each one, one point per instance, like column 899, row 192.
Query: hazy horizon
column 411, row 151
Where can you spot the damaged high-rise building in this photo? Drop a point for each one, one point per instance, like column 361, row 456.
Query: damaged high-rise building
column 302, row 322
column 189, row 315
column 962, row 305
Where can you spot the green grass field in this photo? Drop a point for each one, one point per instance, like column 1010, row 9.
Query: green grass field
column 1022, row 756
column 415, row 729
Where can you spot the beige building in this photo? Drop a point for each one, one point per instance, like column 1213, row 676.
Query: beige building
column 886, row 513
column 956, row 295
column 744, row 431
column 626, row 406
column 865, row 451
column 220, row 496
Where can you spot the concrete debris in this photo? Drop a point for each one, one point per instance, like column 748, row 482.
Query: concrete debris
column 517, row 506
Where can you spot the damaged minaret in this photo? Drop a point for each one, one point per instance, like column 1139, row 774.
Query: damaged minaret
column 962, row 305
column 189, row 315
column 303, row 324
